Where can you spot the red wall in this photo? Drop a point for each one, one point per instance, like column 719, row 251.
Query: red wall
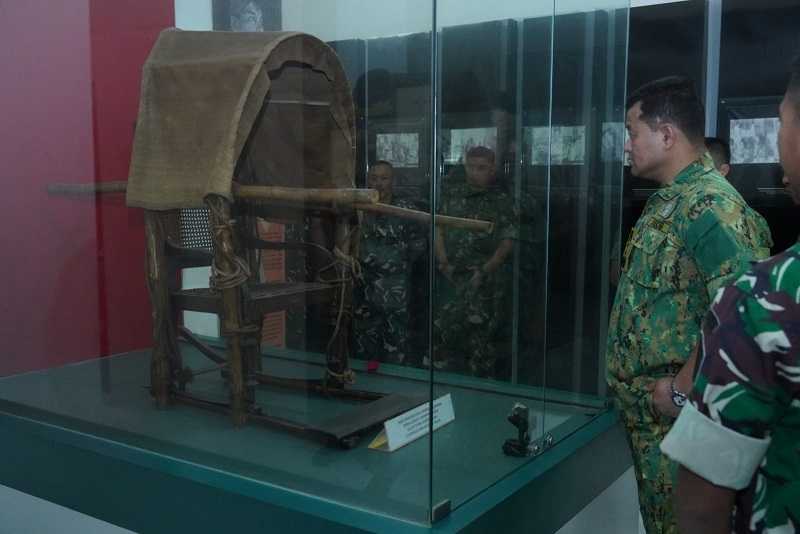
column 72, row 270
column 122, row 34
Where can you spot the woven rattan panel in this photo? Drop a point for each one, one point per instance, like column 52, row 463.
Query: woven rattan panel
column 195, row 232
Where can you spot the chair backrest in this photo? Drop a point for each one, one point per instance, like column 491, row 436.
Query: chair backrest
column 194, row 229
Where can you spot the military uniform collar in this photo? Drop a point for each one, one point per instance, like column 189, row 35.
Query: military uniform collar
column 698, row 167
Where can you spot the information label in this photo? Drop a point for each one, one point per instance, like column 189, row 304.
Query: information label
column 413, row 424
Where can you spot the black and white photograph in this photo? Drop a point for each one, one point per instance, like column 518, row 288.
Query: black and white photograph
column 754, row 140
column 462, row 139
column 399, row 149
column 247, row 15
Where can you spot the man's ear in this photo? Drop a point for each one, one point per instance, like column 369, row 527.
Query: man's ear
column 724, row 169
column 669, row 134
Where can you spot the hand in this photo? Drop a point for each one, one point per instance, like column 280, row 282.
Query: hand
column 661, row 397
column 477, row 278
column 447, row 270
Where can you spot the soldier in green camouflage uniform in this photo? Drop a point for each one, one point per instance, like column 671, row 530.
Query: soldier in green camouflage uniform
column 693, row 235
column 741, row 428
column 387, row 249
column 738, row 438
column 472, row 294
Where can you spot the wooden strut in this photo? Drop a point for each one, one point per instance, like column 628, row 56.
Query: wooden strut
column 361, row 199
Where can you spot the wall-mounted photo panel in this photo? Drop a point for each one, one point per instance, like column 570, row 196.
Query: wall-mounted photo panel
column 613, row 141
column 247, row 15
column 754, row 140
column 399, row 149
column 463, row 139
column 564, row 145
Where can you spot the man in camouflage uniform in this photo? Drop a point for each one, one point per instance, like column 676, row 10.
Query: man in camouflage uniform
column 738, row 438
column 472, row 294
column 693, row 235
column 387, row 249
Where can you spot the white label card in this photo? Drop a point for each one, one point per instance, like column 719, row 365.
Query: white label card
column 413, row 424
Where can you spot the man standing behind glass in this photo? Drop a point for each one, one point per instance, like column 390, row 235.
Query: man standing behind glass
column 737, row 439
column 472, row 303
column 387, row 251
column 693, row 236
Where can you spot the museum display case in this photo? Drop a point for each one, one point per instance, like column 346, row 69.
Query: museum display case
column 350, row 260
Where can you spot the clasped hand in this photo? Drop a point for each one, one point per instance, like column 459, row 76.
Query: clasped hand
column 661, row 397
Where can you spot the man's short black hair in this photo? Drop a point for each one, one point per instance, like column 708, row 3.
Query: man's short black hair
column 673, row 99
column 793, row 90
column 720, row 150
column 481, row 152
column 381, row 162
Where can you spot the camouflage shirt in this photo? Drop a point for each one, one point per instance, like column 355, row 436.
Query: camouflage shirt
column 467, row 248
column 741, row 428
column 693, row 236
column 389, row 244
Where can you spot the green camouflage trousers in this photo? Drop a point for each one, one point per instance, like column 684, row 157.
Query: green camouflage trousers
column 381, row 319
column 654, row 471
column 466, row 323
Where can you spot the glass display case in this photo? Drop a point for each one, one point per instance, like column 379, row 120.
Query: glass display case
column 351, row 258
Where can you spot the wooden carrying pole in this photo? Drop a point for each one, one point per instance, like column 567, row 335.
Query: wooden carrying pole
column 425, row 217
column 296, row 194
column 362, row 199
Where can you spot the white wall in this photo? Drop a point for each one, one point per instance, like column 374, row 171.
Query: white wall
column 333, row 20
column 346, row 19
column 193, row 15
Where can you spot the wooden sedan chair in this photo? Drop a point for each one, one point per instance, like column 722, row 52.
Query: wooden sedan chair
column 233, row 127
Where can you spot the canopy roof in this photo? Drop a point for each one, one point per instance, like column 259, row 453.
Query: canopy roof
column 269, row 108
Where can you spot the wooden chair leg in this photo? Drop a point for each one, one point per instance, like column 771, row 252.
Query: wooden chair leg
column 227, row 279
column 164, row 339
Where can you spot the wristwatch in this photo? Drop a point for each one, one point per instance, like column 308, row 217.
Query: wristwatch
column 678, row 399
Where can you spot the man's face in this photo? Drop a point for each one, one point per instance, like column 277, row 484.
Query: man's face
column 480, row 172
column 645, row 146
column 381, row 179
column 789, row 145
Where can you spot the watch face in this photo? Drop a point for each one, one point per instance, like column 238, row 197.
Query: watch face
column 679, row 400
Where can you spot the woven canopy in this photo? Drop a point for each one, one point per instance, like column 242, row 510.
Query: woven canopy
column 268, row 108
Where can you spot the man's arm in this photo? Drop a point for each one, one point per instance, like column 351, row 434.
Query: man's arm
column 499, row 257
column 441, row 253
column 702, row 507
column 662, row 388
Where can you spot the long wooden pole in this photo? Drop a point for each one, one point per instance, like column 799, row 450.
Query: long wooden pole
column 93, row 188
column 362, row 199
column 425, row 217
column 296, row 194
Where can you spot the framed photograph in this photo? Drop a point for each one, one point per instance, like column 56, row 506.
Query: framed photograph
column 401, row 149
column 247, row 15
column 461, row 140
column 559, row 145
column 754, row 140
column 750, row 125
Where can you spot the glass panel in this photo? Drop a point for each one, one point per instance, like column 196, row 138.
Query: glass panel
column 585, row 191
column 520, row 311
column 483, row 349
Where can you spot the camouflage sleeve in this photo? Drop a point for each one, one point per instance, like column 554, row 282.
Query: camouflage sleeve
column 747, row 377
column 507, row 221
column 415, row 235
column 717, row 240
